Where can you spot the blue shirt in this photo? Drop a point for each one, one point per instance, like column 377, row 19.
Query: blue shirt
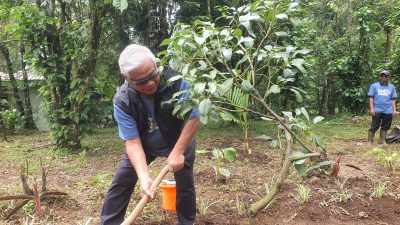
column 383, row 95
column 127, row 126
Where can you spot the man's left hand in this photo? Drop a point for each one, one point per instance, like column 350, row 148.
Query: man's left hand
column 395, row 113
column 175, row 161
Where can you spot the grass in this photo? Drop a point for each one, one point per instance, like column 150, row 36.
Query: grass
column 203, row 205
column 240, row 206
column 303, row 193
column 379, row 189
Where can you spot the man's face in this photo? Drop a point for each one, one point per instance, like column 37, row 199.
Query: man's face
column 145, row 78
column 384, row 78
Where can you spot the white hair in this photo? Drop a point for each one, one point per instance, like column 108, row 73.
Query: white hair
column 134, row 56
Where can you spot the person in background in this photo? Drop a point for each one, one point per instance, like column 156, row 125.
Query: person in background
column 149, row 130
column 382, row 103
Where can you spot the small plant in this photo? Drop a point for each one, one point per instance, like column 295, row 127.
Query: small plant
column 101, row 181
column 386, row 159
column 379, row 189
column 203, row 205
column 32, row 197
column 154, row 213
column 85, row 221
column 29, row 220
column 303, row 193
column 12, row 119
column 343, row 194
column 228, row 154
column 240, row 207
column 269, row 184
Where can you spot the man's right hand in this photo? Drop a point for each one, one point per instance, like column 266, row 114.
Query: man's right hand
column 372, row 113
column 145, row 184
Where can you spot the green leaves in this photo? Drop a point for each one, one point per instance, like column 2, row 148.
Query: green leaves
column 226, row 60
column 300, row 165
column 298, row 154
column 299, row 98
column 226, row 86
column 182, row 111
column 282, row 16
column 387, row 159
column 299, row 64
column 318, row 119
column 121, row 5
column 199, row 88
column 275, row 89
column 227, row 53
column 246, row 86
column 378, row 151
column 228, row 154
column 245, row 20
column 205, row 107
column 200, row 40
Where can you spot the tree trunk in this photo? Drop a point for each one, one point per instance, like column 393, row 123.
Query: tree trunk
column 10, row 70
column 389, row 32
column 209, row 7
column 59, row 86
column 287, row 162
column 122, row 28
column 349, row 24
column 323, row 111
column 331, row 103
column 86, row 71
column 3, row 130
column 28, row 107
column 3, row 96
column 157, row 24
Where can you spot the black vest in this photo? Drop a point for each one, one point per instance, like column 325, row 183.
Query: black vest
column 129, row 101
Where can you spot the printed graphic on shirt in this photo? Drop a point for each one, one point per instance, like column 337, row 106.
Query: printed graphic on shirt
column 384, row 92
column 152, row 124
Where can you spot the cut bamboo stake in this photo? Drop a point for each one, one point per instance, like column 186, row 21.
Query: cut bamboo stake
column 145, row 199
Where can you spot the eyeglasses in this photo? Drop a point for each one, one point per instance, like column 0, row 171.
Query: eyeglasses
column 384, row 75
column 144, row 81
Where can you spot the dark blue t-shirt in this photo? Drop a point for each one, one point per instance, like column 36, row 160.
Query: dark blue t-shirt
column 127, row 127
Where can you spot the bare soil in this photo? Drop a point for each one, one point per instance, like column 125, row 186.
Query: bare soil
column 250, row 177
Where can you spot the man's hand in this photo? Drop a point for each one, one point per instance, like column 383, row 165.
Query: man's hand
column 395, row 113
column 175, row 161
column 373, row 113
column 145, row 184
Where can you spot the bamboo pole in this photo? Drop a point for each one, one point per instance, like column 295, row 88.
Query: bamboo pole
column 145, row 199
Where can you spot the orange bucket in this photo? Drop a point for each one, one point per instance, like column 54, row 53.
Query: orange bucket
column 168, row 189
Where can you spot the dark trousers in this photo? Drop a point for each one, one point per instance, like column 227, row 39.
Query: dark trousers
column 125, row 178
column 383, row 120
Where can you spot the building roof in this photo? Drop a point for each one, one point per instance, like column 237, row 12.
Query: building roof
column 18, row 76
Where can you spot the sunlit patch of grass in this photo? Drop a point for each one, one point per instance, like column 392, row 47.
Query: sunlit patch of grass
column 101, row 181
column 104, row 140
column 85, row 221
column 303, row 193
column 240, row 206
column 203, row 205
column 343, row 131
column 343, row 194
column 231, row 130
column 379, row 189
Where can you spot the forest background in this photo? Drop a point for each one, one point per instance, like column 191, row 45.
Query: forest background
column 74, row 45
